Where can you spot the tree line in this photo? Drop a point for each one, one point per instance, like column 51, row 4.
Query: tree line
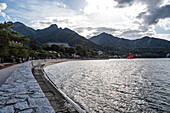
column 13, row 48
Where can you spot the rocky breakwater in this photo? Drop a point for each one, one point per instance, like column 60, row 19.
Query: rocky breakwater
column 22, row 94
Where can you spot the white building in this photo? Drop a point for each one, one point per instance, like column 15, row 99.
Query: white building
column 100, row 52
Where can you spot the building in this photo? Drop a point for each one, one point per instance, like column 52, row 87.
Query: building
column 100, row 52
column 61, row 44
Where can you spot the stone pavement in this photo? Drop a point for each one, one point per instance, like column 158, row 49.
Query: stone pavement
column 22, row 94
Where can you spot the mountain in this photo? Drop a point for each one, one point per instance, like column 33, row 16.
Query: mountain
column 23, row 29
column 53, row 34
column 105, row 39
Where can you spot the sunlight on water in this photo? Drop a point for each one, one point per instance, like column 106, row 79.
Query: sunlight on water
column 139, row 85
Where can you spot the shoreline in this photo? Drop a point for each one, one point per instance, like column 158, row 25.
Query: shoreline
column 49, row 87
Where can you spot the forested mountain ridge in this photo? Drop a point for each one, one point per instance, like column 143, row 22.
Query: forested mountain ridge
column 105, row 39
column 53, row 34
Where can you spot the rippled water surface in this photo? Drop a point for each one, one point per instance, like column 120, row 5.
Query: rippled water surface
column 139, row 85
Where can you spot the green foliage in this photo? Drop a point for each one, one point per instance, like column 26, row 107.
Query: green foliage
column 72, row 50
column 52, row 56
column 10, row 43
column 61, row 55
column 56, row 48
column 43, row 54
column 35, row 47
column 45, row 46
column 4, row 39
column 33, row 54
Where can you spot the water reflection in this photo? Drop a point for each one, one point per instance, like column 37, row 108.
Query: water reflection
column 139, row 85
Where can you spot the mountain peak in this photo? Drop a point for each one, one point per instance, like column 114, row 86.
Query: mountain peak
column 104, row 33
column 53, row 26
column 18, row 24
column 146, row 37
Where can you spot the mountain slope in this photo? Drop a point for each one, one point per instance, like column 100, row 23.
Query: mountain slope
column 23, row 29
column 53, row 34
column 105, row 39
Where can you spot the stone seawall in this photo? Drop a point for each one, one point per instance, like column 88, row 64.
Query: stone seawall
column 22, row 94
column 58, row 102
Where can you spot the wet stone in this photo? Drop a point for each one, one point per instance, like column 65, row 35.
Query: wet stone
column 21, row 105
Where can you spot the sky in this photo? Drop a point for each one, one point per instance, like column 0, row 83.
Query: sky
column 130, row 19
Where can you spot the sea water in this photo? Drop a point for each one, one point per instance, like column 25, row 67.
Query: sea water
column 109, row 86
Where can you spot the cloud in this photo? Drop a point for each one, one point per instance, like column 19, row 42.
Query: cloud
column 124, row 3
column 154, row 16
column 88, row 32
column 66, row 21
column 75, row 4
column 124, row 18
column 3, row 6
column 149, row 3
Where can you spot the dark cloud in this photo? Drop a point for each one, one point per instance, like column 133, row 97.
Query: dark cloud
column 95, row 31
column 98, row 29
column 48, row 23
column 57, row 21
column 142, row 29
column 150, row 3
column 131, row 32
column 153, row 16
column 105, row 29
column 124, row 3
column 82, row 29
column 66, row 21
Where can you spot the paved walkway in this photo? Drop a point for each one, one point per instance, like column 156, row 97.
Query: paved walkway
column 21, row 93
column 6, row 72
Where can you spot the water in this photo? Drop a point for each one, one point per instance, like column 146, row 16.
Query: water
column 109, row 86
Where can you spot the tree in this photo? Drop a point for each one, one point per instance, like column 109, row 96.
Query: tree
column 4, row 39
column 11, row 42
column 71, row 50
column 80, row 50
column 46, row 46
column 55, row 48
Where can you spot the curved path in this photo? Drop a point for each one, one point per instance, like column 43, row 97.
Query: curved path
column 6, row 72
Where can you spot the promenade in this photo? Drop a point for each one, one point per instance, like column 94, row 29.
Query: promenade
column 6, row 72
column 22, row 94
column 27, row 90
